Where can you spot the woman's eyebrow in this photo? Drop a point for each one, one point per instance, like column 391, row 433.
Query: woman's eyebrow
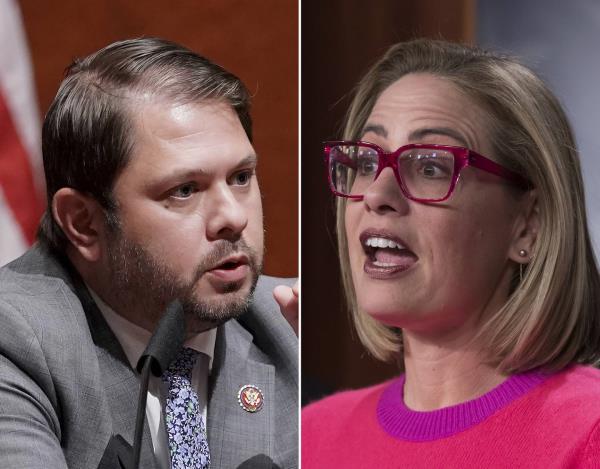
column 377, row 129
column 420, row 134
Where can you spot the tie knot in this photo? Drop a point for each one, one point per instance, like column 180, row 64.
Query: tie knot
column 183, row 363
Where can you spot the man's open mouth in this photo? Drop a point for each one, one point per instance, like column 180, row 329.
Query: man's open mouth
column 233, row 268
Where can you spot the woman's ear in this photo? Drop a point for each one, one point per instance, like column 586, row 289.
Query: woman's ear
column 81, row 218
column 527, row 226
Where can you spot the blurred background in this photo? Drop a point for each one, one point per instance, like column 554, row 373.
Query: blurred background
column 258, row 41
column 341, row 39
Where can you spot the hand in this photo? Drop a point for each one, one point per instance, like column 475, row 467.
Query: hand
column 287, row 298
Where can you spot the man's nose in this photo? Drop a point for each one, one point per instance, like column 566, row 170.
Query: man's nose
column 226, row 215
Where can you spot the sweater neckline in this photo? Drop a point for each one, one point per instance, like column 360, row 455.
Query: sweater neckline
column 399, row 421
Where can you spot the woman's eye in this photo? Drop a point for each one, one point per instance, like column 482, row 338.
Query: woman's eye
column 243, row 178
column 367, row 167
column 430, row 171
column 184, row 192
column 435, row 169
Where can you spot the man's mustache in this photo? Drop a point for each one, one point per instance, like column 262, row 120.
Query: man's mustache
column 221, row 249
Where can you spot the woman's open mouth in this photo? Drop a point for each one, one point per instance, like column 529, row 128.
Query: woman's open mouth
column 386, row 256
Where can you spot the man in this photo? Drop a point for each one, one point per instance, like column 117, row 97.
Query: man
column 152, row 196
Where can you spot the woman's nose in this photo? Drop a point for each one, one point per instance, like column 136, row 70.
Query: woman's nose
column 385, row 195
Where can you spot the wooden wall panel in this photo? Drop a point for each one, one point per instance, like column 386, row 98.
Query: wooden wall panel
column 258, row 41
column 340, row 40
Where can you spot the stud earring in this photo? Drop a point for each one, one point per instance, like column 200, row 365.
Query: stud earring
column 523, row 253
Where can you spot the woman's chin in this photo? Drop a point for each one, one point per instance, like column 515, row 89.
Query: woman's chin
column 413, row 319
column 392, row 318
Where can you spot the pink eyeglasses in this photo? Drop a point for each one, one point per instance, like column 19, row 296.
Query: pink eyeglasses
column 425, row 172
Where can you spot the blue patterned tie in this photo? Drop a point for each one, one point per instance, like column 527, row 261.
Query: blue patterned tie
column 183, row 417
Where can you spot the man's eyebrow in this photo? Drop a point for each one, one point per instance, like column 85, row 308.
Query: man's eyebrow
column 377, row 129
column 181, row 175
column 175, row 175
column 420, row 134
column 250, row 160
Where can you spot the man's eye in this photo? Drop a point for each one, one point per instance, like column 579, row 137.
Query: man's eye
column 243, row 177
column 185, row 191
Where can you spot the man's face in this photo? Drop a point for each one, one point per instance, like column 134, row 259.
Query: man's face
column 189, row 216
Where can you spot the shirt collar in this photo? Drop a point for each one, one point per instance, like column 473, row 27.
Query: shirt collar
column 134, row 338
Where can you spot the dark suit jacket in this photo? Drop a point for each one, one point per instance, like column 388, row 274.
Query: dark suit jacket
column 66, row 386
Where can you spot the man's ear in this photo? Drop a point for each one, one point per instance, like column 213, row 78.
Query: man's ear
column 527, row 227
column 81, row 219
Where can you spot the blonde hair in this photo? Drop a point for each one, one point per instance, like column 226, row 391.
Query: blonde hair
column 551, row 318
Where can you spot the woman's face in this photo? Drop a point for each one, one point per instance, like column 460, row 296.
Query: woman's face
column 450, row 260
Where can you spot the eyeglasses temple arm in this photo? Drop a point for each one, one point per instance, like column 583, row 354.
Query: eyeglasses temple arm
column 479, row 161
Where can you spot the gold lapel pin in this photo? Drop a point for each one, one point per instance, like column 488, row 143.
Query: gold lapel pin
column 250, row 398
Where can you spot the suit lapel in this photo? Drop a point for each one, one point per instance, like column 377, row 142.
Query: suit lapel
column 236, row 436
column 121, row 383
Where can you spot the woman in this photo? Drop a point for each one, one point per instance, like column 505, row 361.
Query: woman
column 466, row 257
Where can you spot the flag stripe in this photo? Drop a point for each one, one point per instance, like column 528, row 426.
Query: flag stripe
column 16, row 82
column 12, row 241
column 16, row 176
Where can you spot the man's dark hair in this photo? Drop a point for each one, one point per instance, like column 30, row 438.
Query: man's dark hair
column 87, row 133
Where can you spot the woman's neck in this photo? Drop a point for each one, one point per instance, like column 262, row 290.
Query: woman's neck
column 442, row 372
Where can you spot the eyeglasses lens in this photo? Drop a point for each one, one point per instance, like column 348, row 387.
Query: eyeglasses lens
column 425, row 172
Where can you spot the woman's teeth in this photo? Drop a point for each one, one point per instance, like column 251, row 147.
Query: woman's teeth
column 383, row 243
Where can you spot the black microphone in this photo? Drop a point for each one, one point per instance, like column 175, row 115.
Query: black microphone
column 166, row 341
column 161, row 350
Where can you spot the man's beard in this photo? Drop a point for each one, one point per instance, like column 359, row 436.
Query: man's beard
column 144, row 285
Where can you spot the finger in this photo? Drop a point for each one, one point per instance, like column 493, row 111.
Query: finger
column 288, row 303
column 283, row 295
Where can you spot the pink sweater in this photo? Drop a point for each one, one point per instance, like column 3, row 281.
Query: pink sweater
column 529, row 421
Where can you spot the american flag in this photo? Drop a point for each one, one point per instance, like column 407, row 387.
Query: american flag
column 20, row 160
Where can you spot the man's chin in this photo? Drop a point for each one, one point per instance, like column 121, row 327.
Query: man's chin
column 214, row 300
column 205, row 310
column 220, row 293
column 228, row 288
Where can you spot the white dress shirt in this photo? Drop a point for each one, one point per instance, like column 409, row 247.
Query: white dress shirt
column 134, row 339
